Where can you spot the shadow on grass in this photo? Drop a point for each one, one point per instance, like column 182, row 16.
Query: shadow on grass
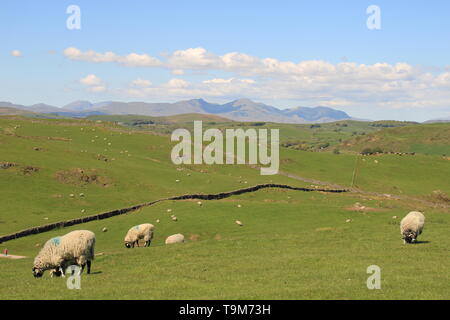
column 421, row 242
column 96, row 272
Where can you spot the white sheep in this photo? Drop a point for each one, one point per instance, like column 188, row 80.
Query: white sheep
column 175, row 238
column 76, row 247
column 142, row 231
column 411, row 226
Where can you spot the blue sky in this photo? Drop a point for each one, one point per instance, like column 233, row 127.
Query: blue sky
column 400, row 72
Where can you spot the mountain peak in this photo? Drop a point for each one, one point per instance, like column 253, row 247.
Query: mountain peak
column 316, row 113
column 242, row 109
column 196, row 102
column 242, row 101
column 79, row 105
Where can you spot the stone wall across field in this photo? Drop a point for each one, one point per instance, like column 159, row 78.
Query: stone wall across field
column 109, row 214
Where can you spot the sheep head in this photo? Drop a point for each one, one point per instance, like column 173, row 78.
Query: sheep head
column 409, row 236
column 37, row 273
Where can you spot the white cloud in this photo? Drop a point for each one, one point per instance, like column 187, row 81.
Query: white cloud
column 16, row 53
column 178, row 72
column 130, row 60
column 177, row 83
column 192, row 58
column 398, row 85
column 93, row 83
column 141, row 83
column 91, row 80
column 101, row 88
column 228, row 81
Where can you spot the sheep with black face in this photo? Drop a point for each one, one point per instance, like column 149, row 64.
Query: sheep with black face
column 411, row 226
column 143, row 231
column 76, row 247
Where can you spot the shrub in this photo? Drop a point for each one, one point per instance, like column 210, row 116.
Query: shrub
column 377, row 150
column 369, row 151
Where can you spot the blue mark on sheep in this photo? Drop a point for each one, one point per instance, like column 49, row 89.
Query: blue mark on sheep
column 56, row 241
column 136, row 227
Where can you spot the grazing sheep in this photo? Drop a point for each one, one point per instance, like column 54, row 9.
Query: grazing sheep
column 411, row 226
column 176, row 238
column 142, row 231
column 76, row 247
column 239, row 223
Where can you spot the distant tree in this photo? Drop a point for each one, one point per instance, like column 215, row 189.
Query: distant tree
column 377, row 150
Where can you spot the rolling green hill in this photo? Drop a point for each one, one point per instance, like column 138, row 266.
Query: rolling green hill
column 433, row 139
column 53, row 159
column 6, row 111
column 292, row 245
column 306, row 137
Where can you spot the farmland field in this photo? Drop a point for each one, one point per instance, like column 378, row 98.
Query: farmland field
column 292, row 245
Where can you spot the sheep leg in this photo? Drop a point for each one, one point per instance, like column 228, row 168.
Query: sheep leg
column 62, row 271
column 81, row 270
column 88, row 267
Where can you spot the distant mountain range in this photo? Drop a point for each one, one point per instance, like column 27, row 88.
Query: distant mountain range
column 238, row 110
column 438, row 120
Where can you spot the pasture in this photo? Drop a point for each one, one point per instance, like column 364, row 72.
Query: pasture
column 292, row 245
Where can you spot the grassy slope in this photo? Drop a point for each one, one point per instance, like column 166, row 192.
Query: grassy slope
column 296, row 136
column 433, row 139
column 417, row 175
column 293, row 245
column 13, row 111
column 142, row 171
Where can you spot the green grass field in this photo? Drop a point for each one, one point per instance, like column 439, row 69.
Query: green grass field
column 293, row 244
column 306, row 137
column 429, row 139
